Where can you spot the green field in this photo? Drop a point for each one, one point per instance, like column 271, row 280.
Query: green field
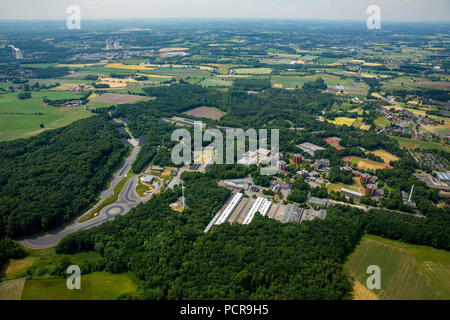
column 295, row 81
column 412, row 83
column 382, row 122
column 357, row 123
column 42, row 258
column 98, row 285
column 340, row 121
column 22, row 118
column 407, row 271
column 224, row 68
column 327, row 60
column 413, row 144
column 216, row 83
column 252, row 70
column 94, row 286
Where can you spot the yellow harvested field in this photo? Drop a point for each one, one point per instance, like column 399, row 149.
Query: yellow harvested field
column 355, row 110
column 372, row 64
column 300, row 62
column 340, row 121
column 277, row 85
column 114, row 85
column 154, row 75
column 206, row 112
column 366, row 164
column 365, row 127
column 173, row 49
column 12, row 289
column 64, row 86
column 16, row 266
column 386, row 156
column 255, row 71
column 357, row 61
column 128, row 66
column 376, row 95
column 361, row 292
column 206, row 68
column 166, row 172
column 395, row 107
column 118, row 80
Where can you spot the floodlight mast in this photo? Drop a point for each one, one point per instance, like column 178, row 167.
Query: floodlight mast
column 410, row 195
column 182, row 195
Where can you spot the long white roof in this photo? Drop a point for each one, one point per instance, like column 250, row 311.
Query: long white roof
column 261, row 205
column 229, row 209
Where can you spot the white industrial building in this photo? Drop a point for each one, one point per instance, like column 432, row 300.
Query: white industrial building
column 229, row 209
column 16, row 53
column 261, row 205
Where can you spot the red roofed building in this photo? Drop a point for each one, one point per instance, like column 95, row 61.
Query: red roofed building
column 297, row 158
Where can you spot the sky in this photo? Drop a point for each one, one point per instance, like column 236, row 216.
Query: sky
column 391, row 10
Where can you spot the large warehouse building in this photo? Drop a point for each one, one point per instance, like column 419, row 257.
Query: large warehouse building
column 229, row 209
column 261, row 205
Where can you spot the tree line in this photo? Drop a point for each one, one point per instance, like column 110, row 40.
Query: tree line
column 51, row 178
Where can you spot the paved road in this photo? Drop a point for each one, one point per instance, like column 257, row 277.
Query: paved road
column 367, row 208
column 127, row 199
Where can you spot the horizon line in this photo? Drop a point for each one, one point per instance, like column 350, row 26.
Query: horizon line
column 224, row 18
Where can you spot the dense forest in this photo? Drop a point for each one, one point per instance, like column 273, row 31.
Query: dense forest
column 51, row 178
column 10, row 250
column 263, row 260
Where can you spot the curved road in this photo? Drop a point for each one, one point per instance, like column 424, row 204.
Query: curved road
column 127, row 199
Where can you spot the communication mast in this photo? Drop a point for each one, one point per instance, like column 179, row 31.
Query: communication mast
column 410, row 194
column 182, row 196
